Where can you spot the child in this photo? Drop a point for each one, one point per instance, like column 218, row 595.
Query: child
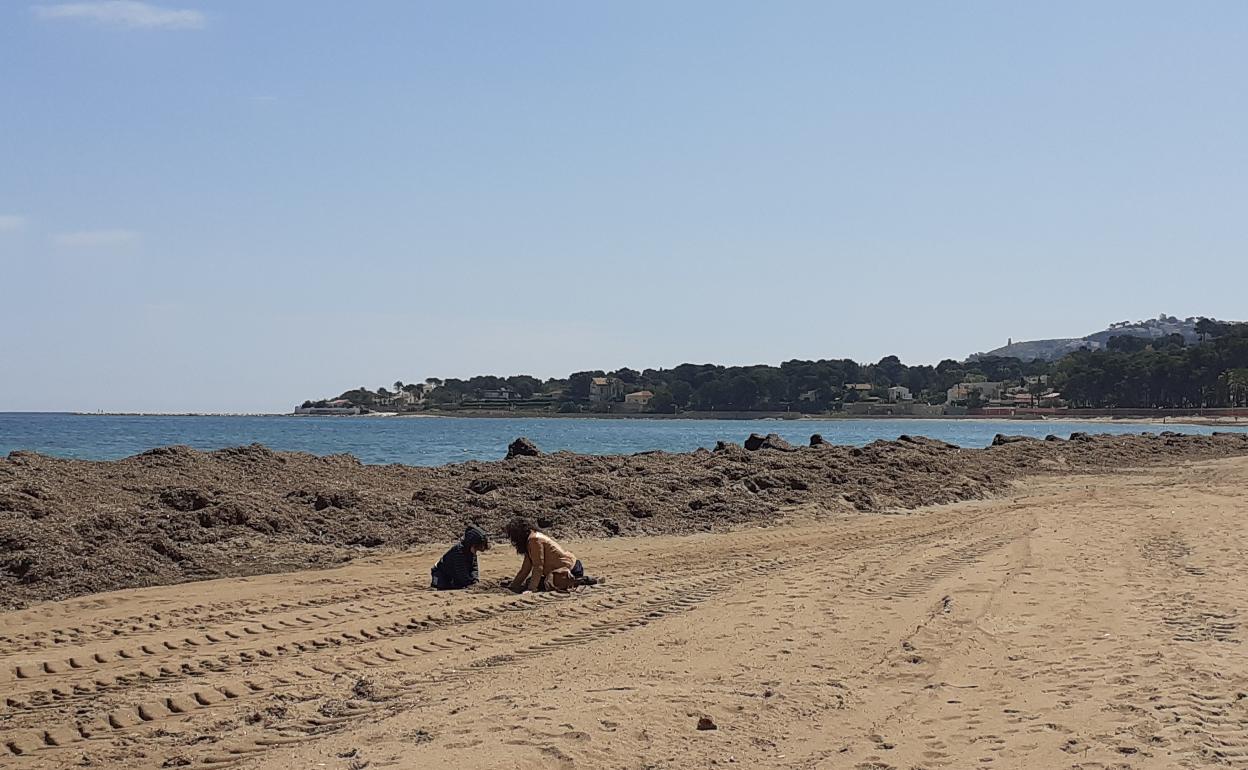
column 458, row 567
column 546, row 563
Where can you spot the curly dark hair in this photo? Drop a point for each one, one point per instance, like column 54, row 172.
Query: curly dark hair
column 518, row 531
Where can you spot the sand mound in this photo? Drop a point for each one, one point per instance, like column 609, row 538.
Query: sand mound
column 72, row 527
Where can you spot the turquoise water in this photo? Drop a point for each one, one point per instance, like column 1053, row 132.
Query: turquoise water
column 435, row 441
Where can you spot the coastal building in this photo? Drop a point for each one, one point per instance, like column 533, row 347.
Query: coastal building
column 1052, row 400
column 899, row 393
column 640, row 398
column 502, row 394
column 879, row 408
column 859, row 387
column 633, row 403
column 1021, row 404
column 605, row 389
column 987, row 391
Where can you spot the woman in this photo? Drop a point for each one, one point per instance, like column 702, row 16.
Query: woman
column 546, row 563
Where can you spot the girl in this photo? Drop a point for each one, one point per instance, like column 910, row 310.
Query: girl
column 546, row 563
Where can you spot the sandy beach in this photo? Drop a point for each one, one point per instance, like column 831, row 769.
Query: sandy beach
column 1078, row 621
column 174, row 515
column 619, row 386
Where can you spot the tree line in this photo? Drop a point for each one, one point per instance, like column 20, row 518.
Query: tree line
column 1149, row 374
column 1131, row 372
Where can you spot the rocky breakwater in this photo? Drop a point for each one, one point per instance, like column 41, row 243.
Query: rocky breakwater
column 73, row 527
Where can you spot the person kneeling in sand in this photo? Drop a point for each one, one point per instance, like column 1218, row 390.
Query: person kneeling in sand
column 546, row 563
column 458, row 567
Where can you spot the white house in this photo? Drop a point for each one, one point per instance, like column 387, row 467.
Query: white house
column 899, row 393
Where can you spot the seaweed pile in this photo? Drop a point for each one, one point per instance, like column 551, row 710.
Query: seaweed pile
column 74, row 527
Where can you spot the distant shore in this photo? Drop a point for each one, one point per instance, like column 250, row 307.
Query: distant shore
column 1210, row 421
column 1144, row 420
column 176, row 414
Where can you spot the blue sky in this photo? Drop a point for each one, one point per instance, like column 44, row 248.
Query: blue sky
column 236, row 205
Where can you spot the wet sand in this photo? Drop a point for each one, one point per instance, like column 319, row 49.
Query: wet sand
column 1080, row 621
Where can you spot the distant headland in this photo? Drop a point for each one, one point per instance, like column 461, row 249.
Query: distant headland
column 1177, row 366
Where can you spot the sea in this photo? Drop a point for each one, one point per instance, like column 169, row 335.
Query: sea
column 441, row 440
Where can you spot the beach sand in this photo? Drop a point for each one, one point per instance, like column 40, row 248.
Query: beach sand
column 1084, row 621
column 172, row 514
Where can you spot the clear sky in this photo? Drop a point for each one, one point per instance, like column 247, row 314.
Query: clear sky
column 236, row 205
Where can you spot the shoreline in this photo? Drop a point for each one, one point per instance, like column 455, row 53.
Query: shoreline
column 1210, row 421
column 781, row 416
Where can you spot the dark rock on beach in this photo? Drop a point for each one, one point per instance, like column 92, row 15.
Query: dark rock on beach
column 1001, row 439
column 925, row 441
column 756, row 442
column 522, row 447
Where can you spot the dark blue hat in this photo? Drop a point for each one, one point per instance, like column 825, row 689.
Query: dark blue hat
column 474, row 535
